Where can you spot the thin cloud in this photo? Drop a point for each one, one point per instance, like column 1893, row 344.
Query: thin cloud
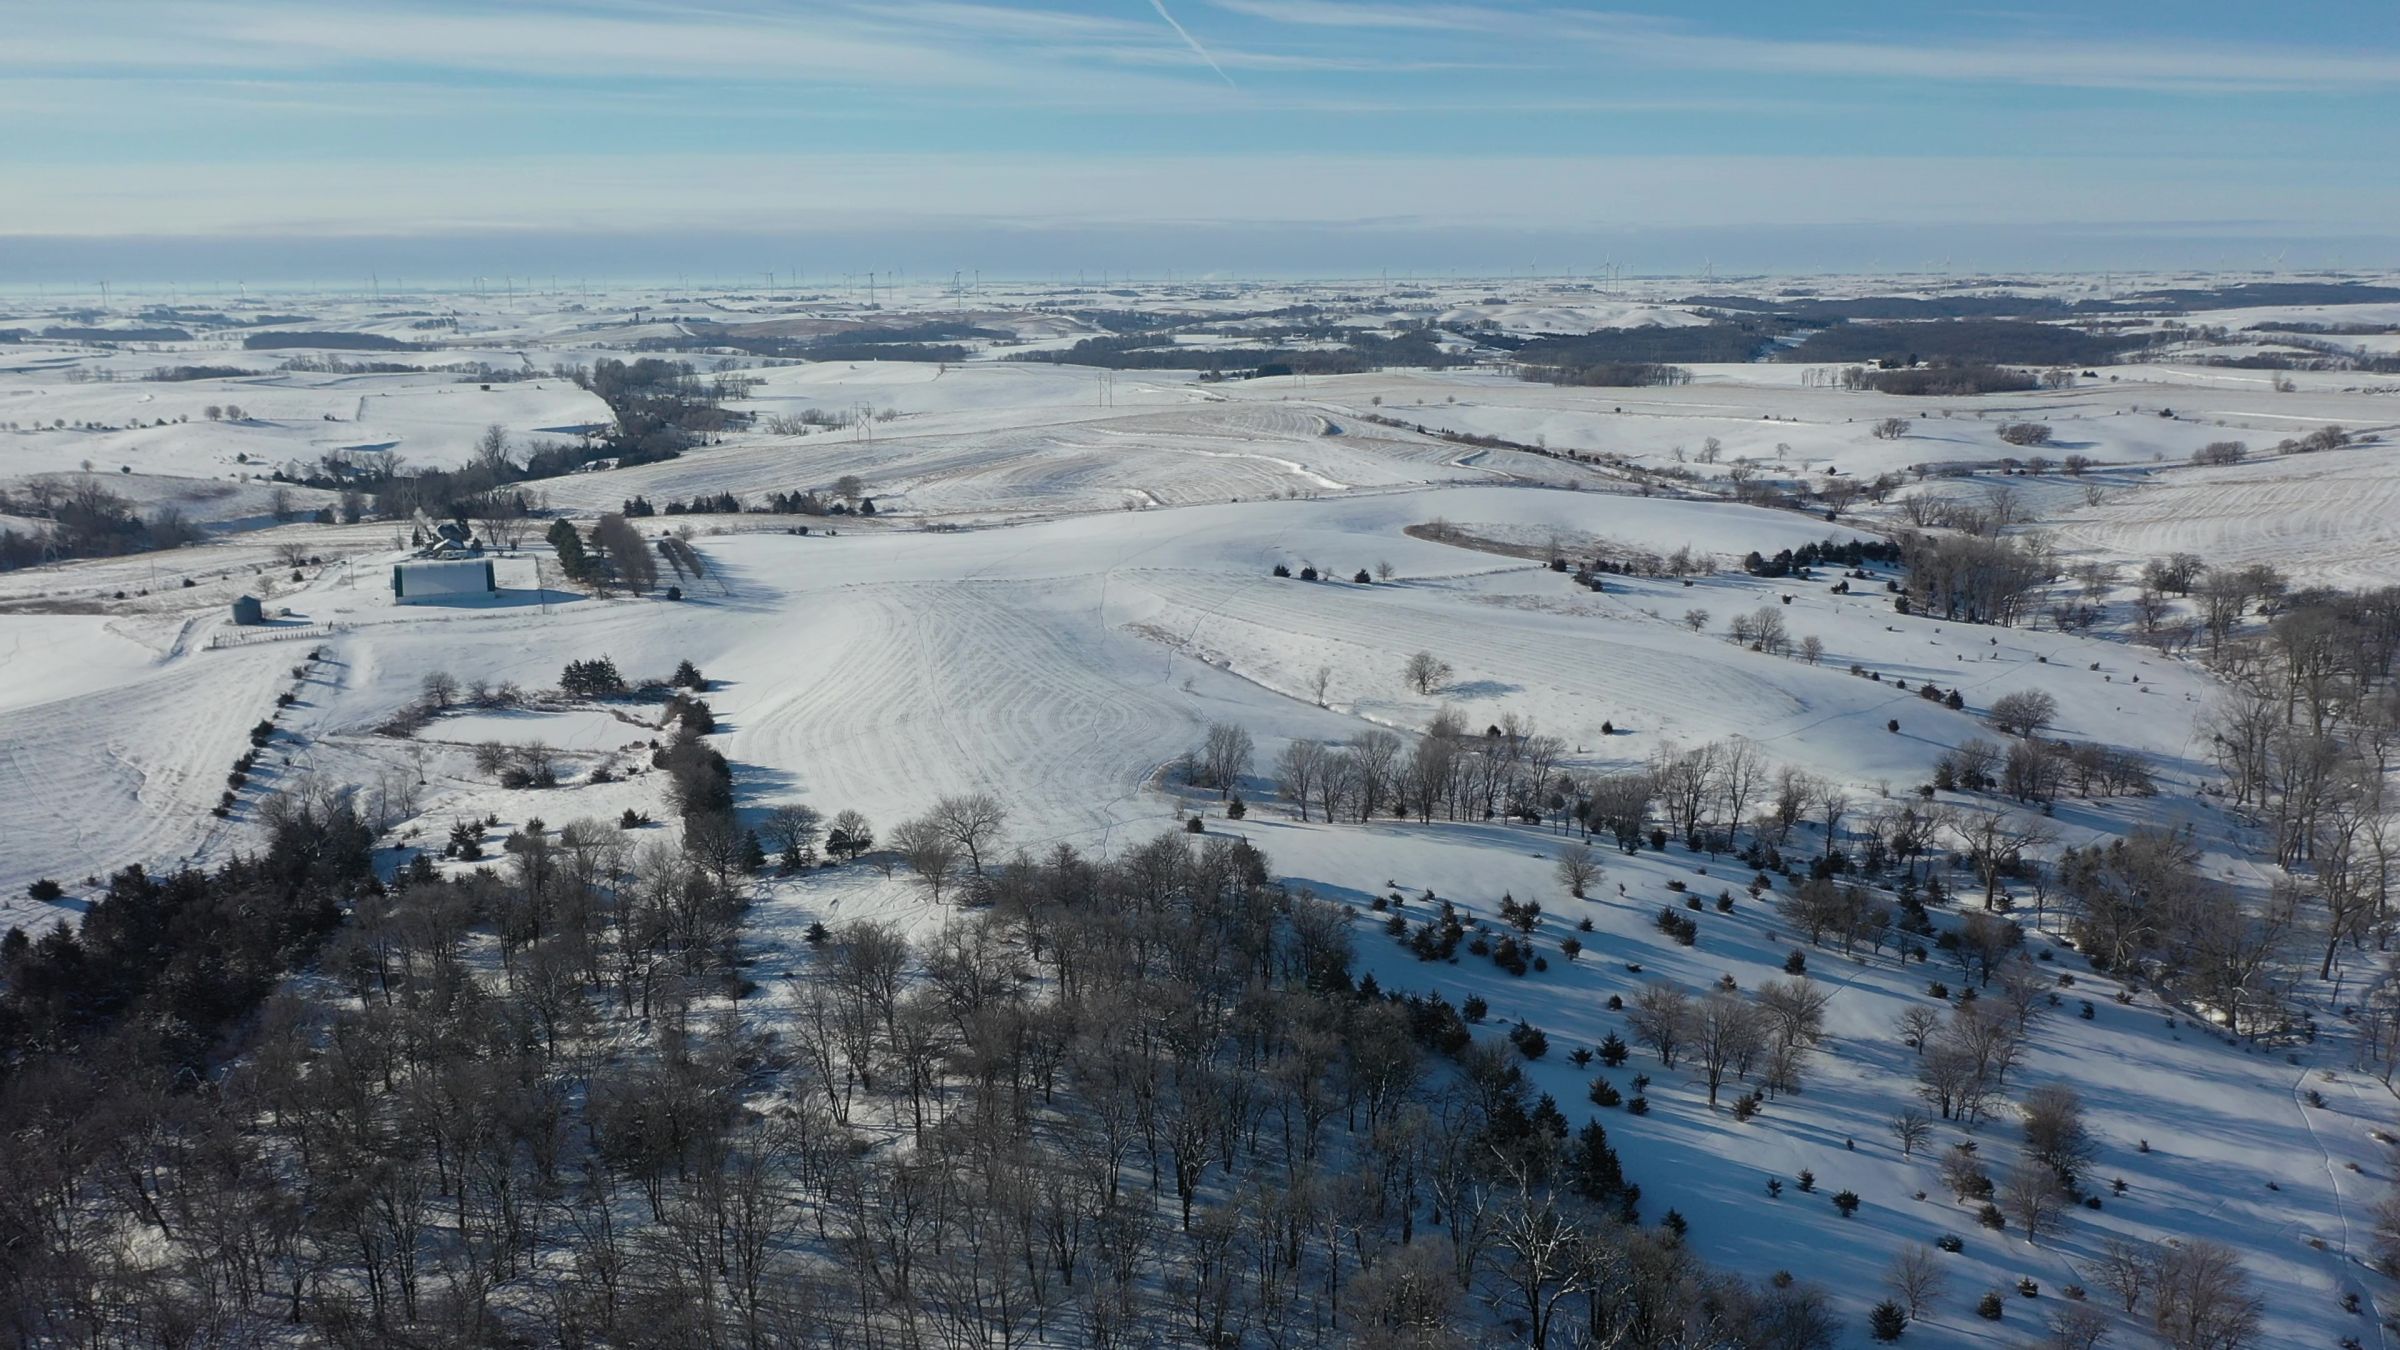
column 1192, row 42
column 2162, row 66
column 1341, row 14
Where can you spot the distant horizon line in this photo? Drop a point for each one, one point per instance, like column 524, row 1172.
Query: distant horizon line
column 494, row 286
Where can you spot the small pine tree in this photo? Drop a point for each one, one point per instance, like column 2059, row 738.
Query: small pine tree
column 754, row 855
column 1989, row 1306
column 1234, row 809
column 1847, row 1203
column 1887, row 1321
column 687, row 676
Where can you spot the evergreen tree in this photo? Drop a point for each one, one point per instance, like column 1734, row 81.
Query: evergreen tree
column 573, row 559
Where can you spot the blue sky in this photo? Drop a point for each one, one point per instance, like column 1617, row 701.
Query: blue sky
column 186, row 138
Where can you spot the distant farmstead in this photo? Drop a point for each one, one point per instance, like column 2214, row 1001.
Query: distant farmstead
column 432, row 583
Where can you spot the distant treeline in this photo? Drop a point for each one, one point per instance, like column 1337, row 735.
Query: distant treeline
column 178, row 374
column 202, row 318
column 1729, row 341
column 1873, row 307
column 65, row 333
column 934, row 340
column 1961, row 342
column 353, row 342
column 1608, row 374
column 1940, row 381
column 2319, row 357
column 2254, row 293
column 2327, row 329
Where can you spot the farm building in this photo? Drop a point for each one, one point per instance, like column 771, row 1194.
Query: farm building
column 247, row 609
column 430, row 583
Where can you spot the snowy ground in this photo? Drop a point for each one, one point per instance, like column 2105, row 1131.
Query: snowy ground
column 1109, row 594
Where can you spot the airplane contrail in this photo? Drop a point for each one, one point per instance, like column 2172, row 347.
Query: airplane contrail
column 1192, row 42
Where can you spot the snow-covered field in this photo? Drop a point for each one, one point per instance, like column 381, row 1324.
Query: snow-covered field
column 1101, row 592
column 2328, row 519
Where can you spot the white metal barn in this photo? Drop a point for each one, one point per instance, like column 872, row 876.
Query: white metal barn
column 431, row 583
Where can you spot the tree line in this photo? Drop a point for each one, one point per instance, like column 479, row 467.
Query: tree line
column 1129, row 1100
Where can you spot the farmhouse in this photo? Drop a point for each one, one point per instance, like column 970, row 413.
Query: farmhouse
column 437, row 582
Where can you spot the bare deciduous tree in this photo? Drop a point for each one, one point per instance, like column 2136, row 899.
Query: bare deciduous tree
column 973, row 821
column 1577, row 868
column 2032, row 1197
column 1910, row 1130
column 2027, row 712
column 2201, row 1297
column 1916, row 1279
column 1426, row 672
column 1660, row 1018
column 1225, row 756
column 1298, row 770
column 1725, row 1032
column 929, row 850
column 793, row 829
